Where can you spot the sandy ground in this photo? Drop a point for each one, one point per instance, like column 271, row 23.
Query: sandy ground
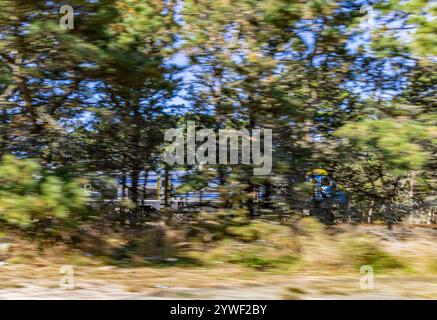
column 271, row 287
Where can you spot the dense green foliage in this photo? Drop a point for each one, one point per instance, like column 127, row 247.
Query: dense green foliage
column 342, row 88
column 30, row 194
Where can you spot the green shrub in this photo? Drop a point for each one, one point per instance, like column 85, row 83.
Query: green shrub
column 31, row 195
column 259, row 256
column 252, row 260
column 362, row 251
column 256, row 259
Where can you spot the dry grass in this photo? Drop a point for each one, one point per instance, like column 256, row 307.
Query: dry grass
column 261, row 254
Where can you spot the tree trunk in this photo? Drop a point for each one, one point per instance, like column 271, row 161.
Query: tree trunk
column 166, row 186
column 370, row 213
column 144, row 187
column 123, row 185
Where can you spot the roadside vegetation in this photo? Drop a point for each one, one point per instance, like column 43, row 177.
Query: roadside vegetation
column 348, row 88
